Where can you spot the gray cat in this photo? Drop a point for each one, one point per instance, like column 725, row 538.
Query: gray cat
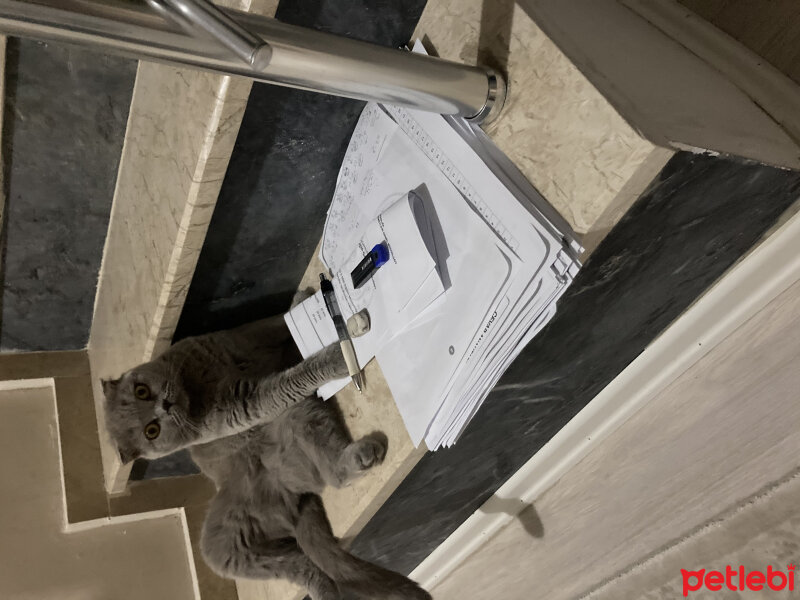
column 245, row 407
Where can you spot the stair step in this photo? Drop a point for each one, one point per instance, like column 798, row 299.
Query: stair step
column 181, row 132
column 46, row 501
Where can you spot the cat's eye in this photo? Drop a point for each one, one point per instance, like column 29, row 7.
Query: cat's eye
column 142, row 392
column 151, row 430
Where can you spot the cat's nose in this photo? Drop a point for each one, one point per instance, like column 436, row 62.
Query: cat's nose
column 167, row 405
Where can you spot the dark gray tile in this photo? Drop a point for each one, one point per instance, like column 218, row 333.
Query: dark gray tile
column 174, row 465
column 65, row 116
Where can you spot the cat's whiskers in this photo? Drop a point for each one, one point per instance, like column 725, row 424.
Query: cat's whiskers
column 183, row 423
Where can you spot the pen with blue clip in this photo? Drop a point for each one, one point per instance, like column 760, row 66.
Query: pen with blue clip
column 345, row 342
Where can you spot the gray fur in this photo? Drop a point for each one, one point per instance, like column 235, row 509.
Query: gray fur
column 246, row 409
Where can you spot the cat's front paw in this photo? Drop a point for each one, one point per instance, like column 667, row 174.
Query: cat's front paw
column 370, row 450
column 334, row 361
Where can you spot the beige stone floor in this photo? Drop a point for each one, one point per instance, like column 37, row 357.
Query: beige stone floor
column 764, row 530
column 564, row 136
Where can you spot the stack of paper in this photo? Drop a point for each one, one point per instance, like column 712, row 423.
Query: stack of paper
column 482, row 262
column 394, row 297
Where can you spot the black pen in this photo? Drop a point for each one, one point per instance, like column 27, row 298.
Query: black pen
column 345, row 343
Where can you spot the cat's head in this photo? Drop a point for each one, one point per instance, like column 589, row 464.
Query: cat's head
column 146, row 412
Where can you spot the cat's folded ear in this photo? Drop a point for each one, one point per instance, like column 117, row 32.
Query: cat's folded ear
column 109, row 387
column 127, row 455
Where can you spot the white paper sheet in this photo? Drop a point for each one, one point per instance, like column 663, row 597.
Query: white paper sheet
column 402, row 288
column 361, row 191
column 497, row 258
column 312, row 330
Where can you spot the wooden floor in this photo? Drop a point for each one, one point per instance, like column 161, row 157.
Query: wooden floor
column 770, row 28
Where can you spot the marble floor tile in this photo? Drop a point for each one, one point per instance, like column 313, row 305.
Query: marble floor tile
column 562, row 133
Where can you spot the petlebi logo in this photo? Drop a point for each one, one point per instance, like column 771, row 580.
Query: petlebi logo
column 738, row 579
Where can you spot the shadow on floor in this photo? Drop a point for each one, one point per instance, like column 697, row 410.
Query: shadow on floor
column 497, row 17
column 525, row 512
